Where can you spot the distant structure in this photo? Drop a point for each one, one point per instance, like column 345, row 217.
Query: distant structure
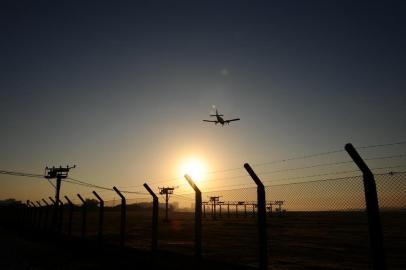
column 214, row 201
column 277, row 203
column 166, row 191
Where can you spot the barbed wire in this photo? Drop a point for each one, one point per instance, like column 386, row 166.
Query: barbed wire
column 305, row 167
column 253, row 186
column 87, row 184
column 173, row 179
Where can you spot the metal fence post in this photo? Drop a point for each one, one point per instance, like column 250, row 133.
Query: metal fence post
column 123, row 217
column 70, row 215
column 155, row 205
column 45, row 225
column 29, row 214
column 84, row 213
column 372, row 207
column 34, row 215
column 60, row 217
column 39, row 214
column 53, row 228
column 263, row 239
column 198, row 218
column 21, row 216
column 101, row 217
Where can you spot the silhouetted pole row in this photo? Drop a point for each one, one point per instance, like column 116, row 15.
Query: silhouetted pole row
column 60, row 218
column 123, row 217
column 34, row 215
column 84, row 214
column 155, row 205
column 39, row 214
column 101, row 210
column 45, row 225
column 53, row 224
column 198, row 218
column 372, row 207
column 70, row 215
column 263, row 238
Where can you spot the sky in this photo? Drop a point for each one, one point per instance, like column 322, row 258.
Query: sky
column 120, row 88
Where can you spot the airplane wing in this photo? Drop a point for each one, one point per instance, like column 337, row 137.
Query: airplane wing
column 231, row 120
column 213, row 121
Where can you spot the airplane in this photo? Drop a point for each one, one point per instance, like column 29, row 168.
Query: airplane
column 220, row 119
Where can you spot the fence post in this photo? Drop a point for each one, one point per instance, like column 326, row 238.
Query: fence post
column 60, row 217
column 21, row 216
column 34, row 215
column 198, row 218
column 39, row 214
column 29, row 214
column 70, row 215
column 263, row 239
column 372, row 207
column 123, row 217
column 45, row 225
column 53, row 228
column 101, row 212
column 155, row 205
column 84, row 213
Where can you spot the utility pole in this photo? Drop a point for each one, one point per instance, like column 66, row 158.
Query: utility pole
column 166, row 191
column 58, row 173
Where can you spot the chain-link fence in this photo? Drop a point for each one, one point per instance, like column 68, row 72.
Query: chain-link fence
column 313, row 224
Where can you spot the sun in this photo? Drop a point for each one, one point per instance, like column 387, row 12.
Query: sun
column 195, row 168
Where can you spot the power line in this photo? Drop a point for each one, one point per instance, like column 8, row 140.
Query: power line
column 307, row 167
column 14, row 173
column 83, row 183
column 52, row 184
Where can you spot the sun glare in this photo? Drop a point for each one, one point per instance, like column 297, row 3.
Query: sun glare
column 194, row 168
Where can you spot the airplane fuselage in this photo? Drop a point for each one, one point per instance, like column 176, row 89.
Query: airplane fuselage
column 220, row 119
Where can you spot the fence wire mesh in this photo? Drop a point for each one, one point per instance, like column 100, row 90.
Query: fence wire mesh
column 391, row 189
column 310, row 224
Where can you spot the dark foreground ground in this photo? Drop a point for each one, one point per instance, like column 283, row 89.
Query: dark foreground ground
column 296, row 240
column 36, row 252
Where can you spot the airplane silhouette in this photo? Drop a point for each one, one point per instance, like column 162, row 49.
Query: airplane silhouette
column 220, row 119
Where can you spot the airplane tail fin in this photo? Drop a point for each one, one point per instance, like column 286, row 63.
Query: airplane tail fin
column 217, row 114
